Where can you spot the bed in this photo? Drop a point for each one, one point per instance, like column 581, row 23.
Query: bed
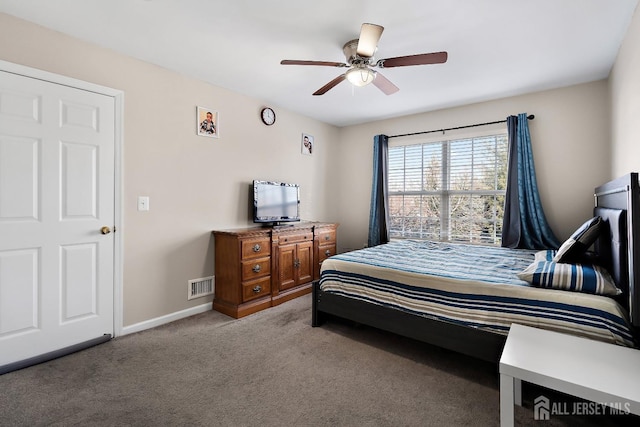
column 430, row 291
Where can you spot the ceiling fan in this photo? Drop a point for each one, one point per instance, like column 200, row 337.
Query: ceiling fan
column 360, row 61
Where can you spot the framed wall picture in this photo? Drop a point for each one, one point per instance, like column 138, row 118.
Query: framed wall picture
column 307, row 144
column 207, row 122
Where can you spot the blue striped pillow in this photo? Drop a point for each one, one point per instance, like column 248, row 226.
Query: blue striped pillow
column 591, row 279
column 580, row 241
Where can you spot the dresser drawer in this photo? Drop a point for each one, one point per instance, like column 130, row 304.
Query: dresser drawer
column 325, row 251
column 294, row 238
column 256, row 288
column 255, row 248
column 255, row 268
column 326, row 236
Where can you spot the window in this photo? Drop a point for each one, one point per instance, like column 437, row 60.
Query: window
column 449, row 190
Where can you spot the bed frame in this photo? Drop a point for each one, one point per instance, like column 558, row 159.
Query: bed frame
column 618, row 201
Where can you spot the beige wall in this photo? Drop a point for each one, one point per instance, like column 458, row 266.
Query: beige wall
column 625, row 103
column 570, row 139
column 195, row 184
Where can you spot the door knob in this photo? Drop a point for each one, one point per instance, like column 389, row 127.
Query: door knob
column 105, row 230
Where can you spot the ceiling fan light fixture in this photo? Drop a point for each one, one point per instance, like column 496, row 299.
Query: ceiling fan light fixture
column 360, row 76
column 359, row 61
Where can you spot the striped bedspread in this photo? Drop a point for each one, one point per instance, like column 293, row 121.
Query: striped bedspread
column 470, row 285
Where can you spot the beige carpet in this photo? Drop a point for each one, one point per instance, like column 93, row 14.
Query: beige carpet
column 268, row 369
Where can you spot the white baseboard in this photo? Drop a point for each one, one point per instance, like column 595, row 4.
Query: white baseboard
column 162, row 320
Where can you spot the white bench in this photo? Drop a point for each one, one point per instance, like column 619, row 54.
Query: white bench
column 592, row 370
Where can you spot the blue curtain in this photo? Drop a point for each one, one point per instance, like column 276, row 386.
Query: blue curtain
column 379, row 213
column 524, row 224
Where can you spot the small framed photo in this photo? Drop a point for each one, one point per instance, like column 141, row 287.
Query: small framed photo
column 307, row 144
column 207, row 122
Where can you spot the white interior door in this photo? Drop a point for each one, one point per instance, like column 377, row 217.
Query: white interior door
column 56, row 193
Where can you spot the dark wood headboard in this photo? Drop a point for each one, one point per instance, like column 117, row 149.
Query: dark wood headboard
column 618, row 203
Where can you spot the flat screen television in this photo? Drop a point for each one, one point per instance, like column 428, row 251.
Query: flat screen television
column 275, row 202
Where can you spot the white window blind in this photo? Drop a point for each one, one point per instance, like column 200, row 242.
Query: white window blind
column 449, row 190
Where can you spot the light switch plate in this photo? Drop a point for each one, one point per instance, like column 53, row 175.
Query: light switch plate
column 143, row 203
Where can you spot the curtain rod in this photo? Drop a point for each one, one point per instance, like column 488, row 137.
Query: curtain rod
column 530, row 117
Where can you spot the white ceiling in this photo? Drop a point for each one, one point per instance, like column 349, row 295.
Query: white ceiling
column 496, row 48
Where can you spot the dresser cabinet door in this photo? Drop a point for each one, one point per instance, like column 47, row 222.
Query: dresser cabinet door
column 304, row 264
column 295, row 264
column 286, row 264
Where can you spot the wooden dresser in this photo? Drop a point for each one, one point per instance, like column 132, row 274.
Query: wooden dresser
column 259, row 267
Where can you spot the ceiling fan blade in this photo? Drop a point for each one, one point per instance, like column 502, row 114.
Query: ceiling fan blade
column 322, row 63
column 422, row 59
column 333, row 83
column 368, row 41
column 384, row 84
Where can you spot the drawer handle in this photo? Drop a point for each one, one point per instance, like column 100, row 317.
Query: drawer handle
column 326, row 237
column 327, row 252
column 256, row 268
column 257, row 247
column 257, row 289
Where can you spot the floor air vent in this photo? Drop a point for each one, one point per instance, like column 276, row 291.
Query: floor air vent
column 200, row 287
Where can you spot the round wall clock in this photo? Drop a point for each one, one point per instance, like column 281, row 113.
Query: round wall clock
column 268, row 116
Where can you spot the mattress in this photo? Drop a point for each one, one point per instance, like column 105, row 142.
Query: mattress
column 470, row 285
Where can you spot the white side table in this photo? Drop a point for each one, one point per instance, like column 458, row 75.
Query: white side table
column 592, row 370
